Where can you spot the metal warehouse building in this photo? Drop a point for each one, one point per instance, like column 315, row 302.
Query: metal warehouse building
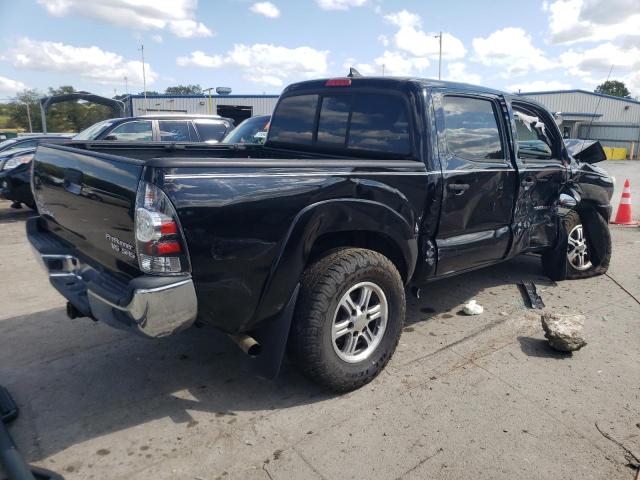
column 237, row 107
column 615, row 121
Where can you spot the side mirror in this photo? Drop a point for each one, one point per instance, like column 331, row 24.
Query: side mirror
column 111, row 137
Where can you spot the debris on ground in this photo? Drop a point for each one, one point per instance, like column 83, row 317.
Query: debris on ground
column 472, row 308
column 564, row 331
column 530, row 293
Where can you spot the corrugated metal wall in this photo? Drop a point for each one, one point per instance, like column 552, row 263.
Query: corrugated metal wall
column 617, row 123
column 611, row 110
column 262, row 105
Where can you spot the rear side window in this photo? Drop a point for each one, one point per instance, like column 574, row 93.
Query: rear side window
column 471, row 128
column 294, row 120
column 360, row 121
column 211, row 131
column 176, row 131
column 138, row 131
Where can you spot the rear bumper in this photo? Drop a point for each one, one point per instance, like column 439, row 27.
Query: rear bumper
column 153, row 306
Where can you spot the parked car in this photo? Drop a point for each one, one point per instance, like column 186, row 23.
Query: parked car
column 252, row 130
column 160, row 128
column 30, row 141
column 15, row 175
column 364, row 186
column 14, row 184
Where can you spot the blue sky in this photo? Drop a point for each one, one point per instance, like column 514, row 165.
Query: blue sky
column 257, row 47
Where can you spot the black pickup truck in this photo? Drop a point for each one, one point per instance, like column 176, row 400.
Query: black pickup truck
column 364, row 187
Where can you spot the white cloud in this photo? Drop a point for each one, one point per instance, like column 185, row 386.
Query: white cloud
column 9, row 87
column 157, row 38
column 265, row 63
column 593, row 65
column 394, row 63
column 267, row 9
column 538, row 86
column 457, row 72
column 572, row 21
column 412, row 39
column 512, row 50
column 177, row 16
column 200, row 59
column 91, row 63
column 340, row 4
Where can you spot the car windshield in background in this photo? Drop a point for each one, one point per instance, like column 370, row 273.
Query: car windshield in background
column 252, row 130
column 6, row 144
column 92, row 132
column 212, row 131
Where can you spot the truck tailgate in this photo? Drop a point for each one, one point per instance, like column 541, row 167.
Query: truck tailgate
column 88, row 199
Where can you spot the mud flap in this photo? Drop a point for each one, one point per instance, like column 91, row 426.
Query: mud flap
column 273, row 340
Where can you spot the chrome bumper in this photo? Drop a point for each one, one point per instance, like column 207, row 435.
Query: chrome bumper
column 168, row 306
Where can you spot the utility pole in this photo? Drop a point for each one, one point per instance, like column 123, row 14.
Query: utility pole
column 383, row 69
column 29, row 117
column 439, row 56
column 144, row 79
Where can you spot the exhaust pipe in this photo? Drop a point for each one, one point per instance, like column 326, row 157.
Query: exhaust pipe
column 247, row 344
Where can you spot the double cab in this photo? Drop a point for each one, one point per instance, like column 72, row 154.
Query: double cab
column 364, row 188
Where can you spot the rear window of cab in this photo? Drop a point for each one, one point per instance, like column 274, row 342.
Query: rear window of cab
column 365, row 122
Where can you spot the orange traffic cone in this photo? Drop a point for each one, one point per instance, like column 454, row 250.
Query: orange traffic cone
column 623, row 217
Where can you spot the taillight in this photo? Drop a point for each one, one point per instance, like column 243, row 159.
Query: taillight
column 160, row 245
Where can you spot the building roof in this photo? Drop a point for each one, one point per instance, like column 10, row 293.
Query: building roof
column 577, row 90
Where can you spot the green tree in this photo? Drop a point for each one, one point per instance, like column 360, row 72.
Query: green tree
column 184, row 90
column 61, row 117
column 150, row 92
column 615, row 88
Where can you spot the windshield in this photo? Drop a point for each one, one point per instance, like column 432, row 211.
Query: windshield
column 92, row 132
column 252, row 130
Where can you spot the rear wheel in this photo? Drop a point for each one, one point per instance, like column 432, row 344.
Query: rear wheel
column 587, row 251
column 348, row 318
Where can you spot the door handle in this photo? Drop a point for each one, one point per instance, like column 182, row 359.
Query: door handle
column 458, row 188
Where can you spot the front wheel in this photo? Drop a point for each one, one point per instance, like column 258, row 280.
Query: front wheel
column 587, row 250
column 348, row 318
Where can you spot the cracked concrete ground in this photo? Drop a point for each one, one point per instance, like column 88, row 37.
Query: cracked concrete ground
column 463, row 397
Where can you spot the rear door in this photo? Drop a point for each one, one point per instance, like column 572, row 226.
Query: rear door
column 479, row 180
column 542, row 172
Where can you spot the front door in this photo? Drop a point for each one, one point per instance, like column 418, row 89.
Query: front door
column 479, row 180
column 542, row 172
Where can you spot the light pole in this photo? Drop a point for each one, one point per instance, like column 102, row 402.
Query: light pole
column 209, row 105
column 29, row 117
column 439, row 56
column 144, row 79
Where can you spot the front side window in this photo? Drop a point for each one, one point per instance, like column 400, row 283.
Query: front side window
column 138, row 131
column 294, row 120
column 176, row 131
column 471, row 128
column 533, row 136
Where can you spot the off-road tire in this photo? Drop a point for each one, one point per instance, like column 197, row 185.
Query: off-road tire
column 555, row 262
column 323, row 285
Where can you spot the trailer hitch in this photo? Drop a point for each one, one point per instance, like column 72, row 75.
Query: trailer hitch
column 10, row 459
